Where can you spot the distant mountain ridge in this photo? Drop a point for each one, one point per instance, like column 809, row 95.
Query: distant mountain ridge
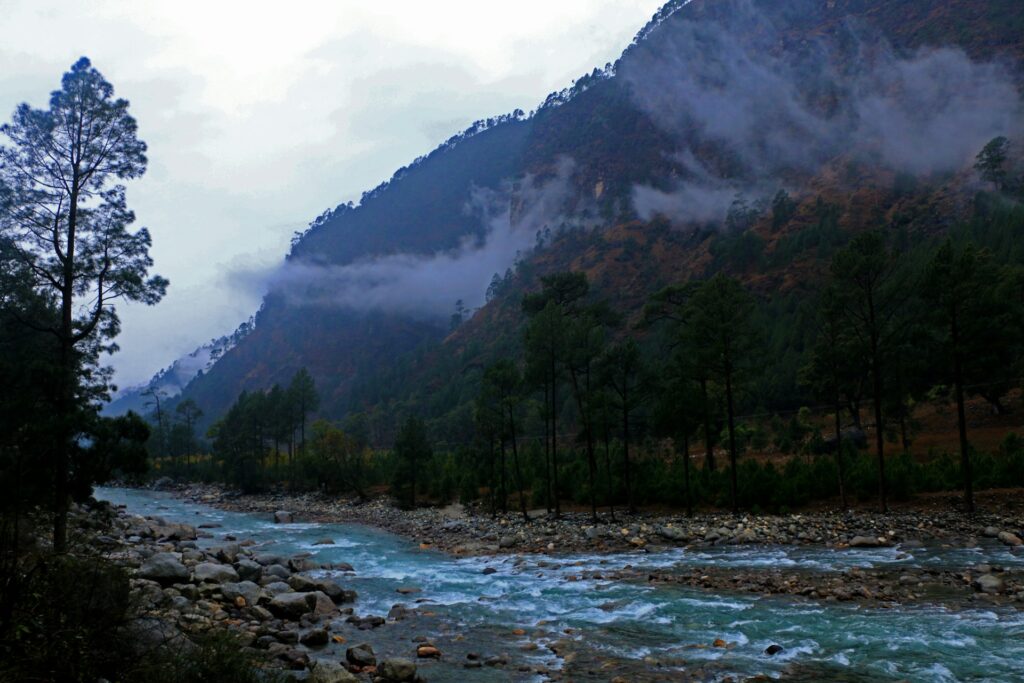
column 440, row 211
column 172, row 380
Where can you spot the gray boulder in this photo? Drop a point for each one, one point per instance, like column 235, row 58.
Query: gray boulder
column 334, row 591
column 276, row 570
column 165, row 568
column 1006, row 538
column 303, row 564
column 173, row 532
column 275, row 588
column 988, row 583
column 864, row 542
column 330, row 672
column 229, row 553
column 361, row 655
column 302, row 584
column 213, row 572
column 292, row 605
column 398, row 670
column 267, row 559
column 672, row 533
column 314, row 637
column 247, row 590
column 283, row 517
column 295, row 605
column 248, row 570
column 746, row 535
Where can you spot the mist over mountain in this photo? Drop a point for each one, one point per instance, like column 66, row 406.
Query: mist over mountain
column 715, row 107
column 748, row 116
column 169, row 382
column 427, row 285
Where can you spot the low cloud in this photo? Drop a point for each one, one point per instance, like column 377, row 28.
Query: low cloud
column 747, row 114
column 428, row 285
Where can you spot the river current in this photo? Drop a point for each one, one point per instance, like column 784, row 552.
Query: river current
column 550, row 598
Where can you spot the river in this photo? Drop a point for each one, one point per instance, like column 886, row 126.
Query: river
column 549, row 599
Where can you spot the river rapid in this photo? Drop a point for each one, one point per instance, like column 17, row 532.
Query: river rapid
column 531, row 604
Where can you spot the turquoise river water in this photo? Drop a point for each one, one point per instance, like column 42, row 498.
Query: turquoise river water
column 628, row 620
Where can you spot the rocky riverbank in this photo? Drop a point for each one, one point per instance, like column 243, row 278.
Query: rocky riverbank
column 460, row 530
column 192, row 580
column 272, row 604
column 463, row 531
column 186, row 584
column 877, row 586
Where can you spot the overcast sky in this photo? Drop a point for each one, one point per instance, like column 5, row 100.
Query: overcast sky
column 260, row 115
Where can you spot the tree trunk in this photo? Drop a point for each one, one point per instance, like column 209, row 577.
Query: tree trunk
column 556, row 493
column 608, row 470
column 625, row 450
column 961, row 415
column 732, row 439
column 686, row 475
column 490, row 476
column 876, row 381
column 504, row 487
column 879, row 433
column 515, row 462
column 839, row 452
column 709, row 445
column 66, row 398
column 547, row 449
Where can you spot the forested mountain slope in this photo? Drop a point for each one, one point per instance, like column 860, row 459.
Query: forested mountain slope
column 665, row 166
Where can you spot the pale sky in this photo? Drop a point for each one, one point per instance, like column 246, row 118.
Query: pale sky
column 260, row 115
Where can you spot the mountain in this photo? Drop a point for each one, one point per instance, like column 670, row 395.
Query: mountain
column 750, row 136
column 172, row 380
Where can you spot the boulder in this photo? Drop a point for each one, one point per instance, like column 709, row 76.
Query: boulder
column 283, row 517
column 334, row 591
column 248, row 570
column 292, row 605
column 295, row 605
column 267, row 559
column 864, row 542
column 275, row 588
column 1007, row 538
column 672, row 533
column 314, row 637
column 302, row 584
column 990, row 532
column 247, row 590
column 165, row 568
column 397, row 670
column 330, row 672
column 173, row 532
column 229, row 553
column 773, row 650
column 276, row 571
column 213, row 572
column 745, row 536
column 988, row 583
column 303, row 564
column 361, row 655
column 324, row 605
